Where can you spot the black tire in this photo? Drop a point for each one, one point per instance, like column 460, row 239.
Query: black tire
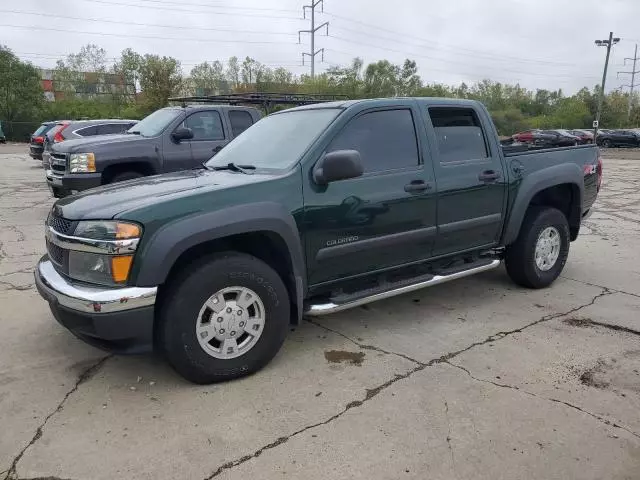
column 187, row 294
column 606, row 143
column 520, row 256
column 121, row 177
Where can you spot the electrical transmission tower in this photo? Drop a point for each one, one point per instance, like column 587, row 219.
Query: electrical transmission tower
column 312, row 31
column 633, row 79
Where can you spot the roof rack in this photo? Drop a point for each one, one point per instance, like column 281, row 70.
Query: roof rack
column 267, row 100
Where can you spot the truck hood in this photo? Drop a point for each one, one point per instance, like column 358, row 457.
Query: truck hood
column 110, row 200
column 89, row 144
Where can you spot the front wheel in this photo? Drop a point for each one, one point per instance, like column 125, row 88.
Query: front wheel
column 606, row 143
column 224, row 317
column 540, row 252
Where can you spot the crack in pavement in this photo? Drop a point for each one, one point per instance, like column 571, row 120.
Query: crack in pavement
column 85, row 376
column 600, row 286
column 363, row 346
column 555, row 400
column 453, row 457
column 587, row 322
column 373, row 392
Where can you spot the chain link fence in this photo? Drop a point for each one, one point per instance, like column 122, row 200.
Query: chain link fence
column 18, row 131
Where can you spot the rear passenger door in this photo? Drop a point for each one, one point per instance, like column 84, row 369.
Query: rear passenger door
column 470, row 178
column 209, row 135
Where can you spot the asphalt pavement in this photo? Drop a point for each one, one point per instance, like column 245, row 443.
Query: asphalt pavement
column 475, row 379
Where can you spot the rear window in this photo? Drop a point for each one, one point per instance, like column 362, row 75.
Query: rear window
column 113, row 128
column 87, row 131
column 458, row 134
column 42, row 129
column 240, row 121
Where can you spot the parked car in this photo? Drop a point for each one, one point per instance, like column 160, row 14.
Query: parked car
column 37, row 140
column 3, row 139
column 618, row 138
column 562, row 138
column 77, row 129
column 585, row 136
column 170, row 139
column 312, row 210
column 535, row 137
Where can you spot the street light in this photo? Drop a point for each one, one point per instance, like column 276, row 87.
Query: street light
column 603, row 43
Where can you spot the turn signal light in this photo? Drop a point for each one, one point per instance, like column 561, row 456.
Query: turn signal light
column 120, row 266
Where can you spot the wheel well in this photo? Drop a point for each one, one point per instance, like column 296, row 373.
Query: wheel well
column 113, row 170
column 267, row 246
column 566, row 198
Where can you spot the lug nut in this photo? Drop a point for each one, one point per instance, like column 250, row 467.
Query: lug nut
column 242, row 324
column 233, row 334
column 239, row 312
column 221, row 330
column 229, row 310
column 219, row 319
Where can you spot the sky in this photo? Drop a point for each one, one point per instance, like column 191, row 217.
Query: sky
column 538, row 44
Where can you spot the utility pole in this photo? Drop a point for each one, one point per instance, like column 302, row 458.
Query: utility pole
column 603, row 43
column 312, row 31
column 633, row 79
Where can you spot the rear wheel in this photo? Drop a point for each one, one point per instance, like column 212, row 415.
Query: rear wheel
column 606, row 143
column 540, row 252
column 225, row 316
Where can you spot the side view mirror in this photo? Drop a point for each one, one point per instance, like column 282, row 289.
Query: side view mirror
column 182, row 133
column 338, row 165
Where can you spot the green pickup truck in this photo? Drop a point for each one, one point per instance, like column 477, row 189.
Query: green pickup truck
column 310, row 211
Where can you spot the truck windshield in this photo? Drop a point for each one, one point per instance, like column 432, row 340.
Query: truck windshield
column 278, row 141
column 153, row 124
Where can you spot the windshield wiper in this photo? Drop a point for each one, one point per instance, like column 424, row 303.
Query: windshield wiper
column 235, row 168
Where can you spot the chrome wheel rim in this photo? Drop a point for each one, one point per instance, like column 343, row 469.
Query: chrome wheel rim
column 230, row 322
column 547, row 248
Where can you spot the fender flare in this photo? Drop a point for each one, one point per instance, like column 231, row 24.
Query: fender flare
column 535, row 182
column 170, row 241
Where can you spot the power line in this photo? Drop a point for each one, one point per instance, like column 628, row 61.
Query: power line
column 466, row 52
column 431, row 42
column 223, row 6
column 312, row 32
column 128, row 35
column 184, row 10
column 121, row 22
column 633, row 79
column 404, row 52
column 457, row 72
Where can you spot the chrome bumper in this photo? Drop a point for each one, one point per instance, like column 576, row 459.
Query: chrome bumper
column 75, row 296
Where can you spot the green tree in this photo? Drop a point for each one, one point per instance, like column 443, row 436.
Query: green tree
column 208, row 78
column 160, row 78
column 233, row 72
column 21, row 96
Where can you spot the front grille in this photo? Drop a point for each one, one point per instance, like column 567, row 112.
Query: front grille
column 60, row 225
column 56, row 254
column 58, row 162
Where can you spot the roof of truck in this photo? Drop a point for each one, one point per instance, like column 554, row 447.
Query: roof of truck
column 387, row 101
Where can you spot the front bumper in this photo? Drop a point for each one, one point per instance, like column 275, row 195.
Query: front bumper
column 71, row 182
column 114, row 319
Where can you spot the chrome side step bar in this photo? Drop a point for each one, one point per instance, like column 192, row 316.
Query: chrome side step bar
column 319, row 309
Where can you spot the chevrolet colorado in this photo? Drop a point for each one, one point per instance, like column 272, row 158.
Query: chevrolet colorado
column 311, row 211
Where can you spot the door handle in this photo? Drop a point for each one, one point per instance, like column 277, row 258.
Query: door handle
column 417, row 186
column 489, row 176
column 217, row 149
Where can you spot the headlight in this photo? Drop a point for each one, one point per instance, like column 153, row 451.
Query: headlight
column 104, row 254
column 82, row 163
column 107, row 230
column 99, row 269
